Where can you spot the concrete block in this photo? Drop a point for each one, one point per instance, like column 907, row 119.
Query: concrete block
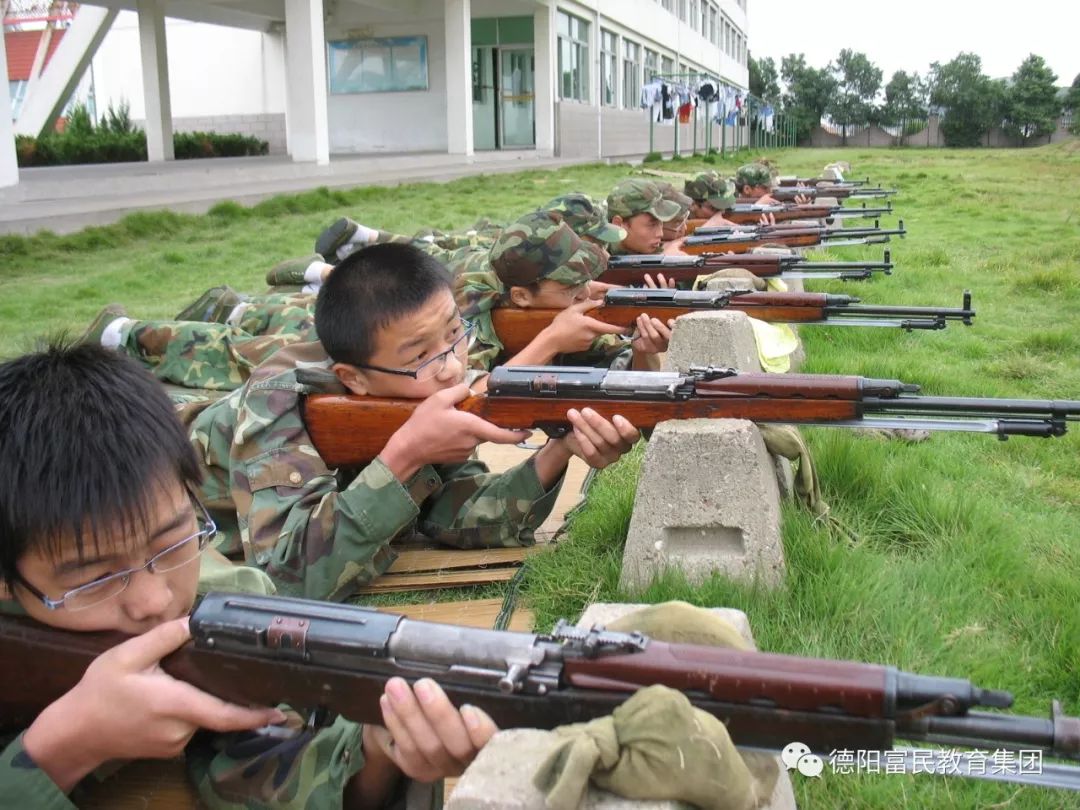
column 794, row 285
column 730, row 285
column 712, row 339
column 707, row 501
column 500, row 778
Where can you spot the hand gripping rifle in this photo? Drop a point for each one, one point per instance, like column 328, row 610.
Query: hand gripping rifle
column 720, row 239
column 352, row 430
column 335, row 659
column 517, row 327
column 631, row 270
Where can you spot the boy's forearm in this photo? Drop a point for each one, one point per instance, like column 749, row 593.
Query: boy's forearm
column 539, row 352
column 374, row 784
column 59, row 746
column 550, row 462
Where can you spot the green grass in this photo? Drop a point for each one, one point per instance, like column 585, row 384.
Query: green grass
column 959, row 556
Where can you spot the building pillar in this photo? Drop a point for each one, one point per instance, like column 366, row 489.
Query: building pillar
column 545, row 44
column 155, row 73
column 459, row 120
column 306, row 124
column 9, row 164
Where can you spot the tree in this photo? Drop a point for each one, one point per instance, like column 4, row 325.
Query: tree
column 1031, row 104
column 807, row 93
column 764, row 79
column 857, row 81
column 971, row 100
column 1072, row 104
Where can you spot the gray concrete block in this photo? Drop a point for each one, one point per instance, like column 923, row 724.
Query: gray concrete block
column 730, row 285
column 794, row 285
column 723, row 339
column 707, row 502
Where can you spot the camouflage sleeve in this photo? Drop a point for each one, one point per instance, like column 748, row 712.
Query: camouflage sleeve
column 252, row 772
column 474, row 508
column 428, row 246
column 321, row 543
column 24, row 784
column 607, row 351
column 487, row 348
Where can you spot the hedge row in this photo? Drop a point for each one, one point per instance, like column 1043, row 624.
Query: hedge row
column 103, row 146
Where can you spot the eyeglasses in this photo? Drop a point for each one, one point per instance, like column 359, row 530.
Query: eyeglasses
column 433, row 366
column 175, row 556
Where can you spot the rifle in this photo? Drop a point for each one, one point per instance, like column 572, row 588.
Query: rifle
column 517, row 327
column 749, row 214
column 336, row 659
column 627, row 270
column 789, row 193
column 813, row 181
column 348, row 431
column 709, row 240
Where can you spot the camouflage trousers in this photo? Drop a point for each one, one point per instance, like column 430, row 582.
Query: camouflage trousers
column 278, row 314
column 213, row 356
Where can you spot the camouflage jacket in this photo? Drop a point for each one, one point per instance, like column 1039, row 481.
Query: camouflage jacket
column 320, row 532
column 233, row 771
column 477, row 291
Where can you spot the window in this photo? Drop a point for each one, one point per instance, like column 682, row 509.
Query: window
column 382, row 65
column 682, row 10
column 695, row 14
column 704, row 13
column 652, row 64
column 714, row 18
column 669, row 5
column 573, row 57
column 631, row 78
column 17, row 92
column 609, row 55
column 667, row 66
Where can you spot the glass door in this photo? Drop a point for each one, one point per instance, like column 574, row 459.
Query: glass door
column 484, row 101
column 517, row 98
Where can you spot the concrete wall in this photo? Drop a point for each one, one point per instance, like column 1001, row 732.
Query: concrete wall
column 213, row 70
column 413, row 121
column 930, row 136
column 269, row 127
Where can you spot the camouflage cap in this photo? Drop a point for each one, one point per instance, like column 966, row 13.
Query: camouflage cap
column 753, row 174
column 585, row 216
column 639, row 196
column 672, row 194
column 541, row 246
column 718, row 192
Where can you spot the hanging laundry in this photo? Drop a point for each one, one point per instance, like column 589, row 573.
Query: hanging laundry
column 684, row 113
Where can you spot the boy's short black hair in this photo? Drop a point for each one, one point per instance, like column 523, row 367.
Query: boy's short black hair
column 88, row 438
column 369, row 290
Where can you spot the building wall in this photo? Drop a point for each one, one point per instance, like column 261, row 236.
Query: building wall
column 413, row 121
column 930, row 136
column 213, row 70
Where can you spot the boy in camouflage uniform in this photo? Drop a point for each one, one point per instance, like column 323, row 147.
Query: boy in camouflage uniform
column 388, row 326
column 539, row 262
column 638, row 206
column 98, row 482
column 711, row 195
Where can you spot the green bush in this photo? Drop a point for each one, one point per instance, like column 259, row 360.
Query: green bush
column 116, row 139
column 652, row 157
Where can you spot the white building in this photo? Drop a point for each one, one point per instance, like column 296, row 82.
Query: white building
column 359, row 76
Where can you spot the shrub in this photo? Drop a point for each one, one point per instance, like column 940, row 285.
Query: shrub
column 652, row 157
column 116, row 139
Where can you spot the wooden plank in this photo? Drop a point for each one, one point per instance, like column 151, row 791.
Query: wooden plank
column 158, row 783
column 392, row 583
column 417, row 560
column 475, row 613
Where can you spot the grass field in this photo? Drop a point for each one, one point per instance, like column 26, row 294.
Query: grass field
column 959, row 556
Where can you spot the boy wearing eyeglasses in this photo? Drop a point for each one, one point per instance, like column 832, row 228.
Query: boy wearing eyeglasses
column 388, row 326
column 100, row 530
